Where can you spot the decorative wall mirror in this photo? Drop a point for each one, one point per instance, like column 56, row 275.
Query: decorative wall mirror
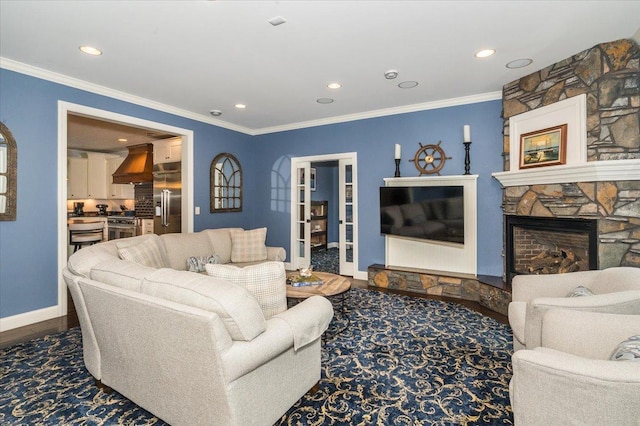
column 226, row 184
column 8, row 174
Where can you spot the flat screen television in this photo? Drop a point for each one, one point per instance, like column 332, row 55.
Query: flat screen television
column 423, row 212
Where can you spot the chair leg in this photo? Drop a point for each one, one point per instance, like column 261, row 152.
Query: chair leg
column 315, row 388
column 104, row 388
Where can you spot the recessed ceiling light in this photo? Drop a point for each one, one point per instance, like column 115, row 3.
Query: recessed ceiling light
column 324, row 101
column 122, row 140
column 334, row 85
column 391, row 74
column 519, row 63
column 485, row 53
column 240, row 106
column 215, row 112
column 408, row 84
column 277, row 20
column 90, row 50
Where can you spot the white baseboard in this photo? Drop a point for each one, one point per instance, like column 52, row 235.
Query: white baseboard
column 333, row 245
column 361, row 275
column 28, row 318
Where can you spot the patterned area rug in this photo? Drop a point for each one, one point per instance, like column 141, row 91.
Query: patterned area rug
column 399, row 361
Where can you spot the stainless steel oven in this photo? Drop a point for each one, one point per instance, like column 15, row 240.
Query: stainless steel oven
column 121, row 227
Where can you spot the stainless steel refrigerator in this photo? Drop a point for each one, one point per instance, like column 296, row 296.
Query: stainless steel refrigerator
column 167, row 198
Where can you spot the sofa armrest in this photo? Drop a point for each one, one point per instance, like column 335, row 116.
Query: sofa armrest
column 303, row 323
column 552, row 387
column 587, row 334
column 307, row 320
column 624, row 302
column 278, row 254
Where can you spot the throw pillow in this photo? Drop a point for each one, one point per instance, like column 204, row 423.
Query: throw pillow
column 580, row 291
column 248, row 246
column 629, row 350
column 196, row 263
column 146, row 253
column 266, row 281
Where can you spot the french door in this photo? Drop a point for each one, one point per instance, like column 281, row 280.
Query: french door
column 301, row 215
column 347, row 211
column 346, row 221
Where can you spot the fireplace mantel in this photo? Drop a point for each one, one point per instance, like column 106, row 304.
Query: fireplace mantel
column 592, row 171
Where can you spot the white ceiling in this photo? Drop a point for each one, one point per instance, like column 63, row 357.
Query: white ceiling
column 193, row 56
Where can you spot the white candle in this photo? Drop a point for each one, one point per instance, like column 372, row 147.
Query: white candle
column 467, row 133
column 397, row 157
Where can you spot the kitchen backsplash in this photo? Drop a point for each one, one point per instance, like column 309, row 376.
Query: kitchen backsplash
column 144, row 200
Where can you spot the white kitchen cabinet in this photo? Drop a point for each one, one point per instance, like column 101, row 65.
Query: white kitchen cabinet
column 96, row 176
column 117, row 191
column 167, row 150
column 77, row 178
column 147, row 226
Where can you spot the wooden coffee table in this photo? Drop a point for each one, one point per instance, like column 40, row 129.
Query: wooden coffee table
column 332, row 285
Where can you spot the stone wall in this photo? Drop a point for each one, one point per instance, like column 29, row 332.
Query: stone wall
column 609, row 74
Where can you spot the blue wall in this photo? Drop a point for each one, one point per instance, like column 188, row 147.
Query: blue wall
column 28, row 246
column 28, row 106
column 373, row 140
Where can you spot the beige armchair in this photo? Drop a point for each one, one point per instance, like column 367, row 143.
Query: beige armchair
column 616, row 290
column 570, row 379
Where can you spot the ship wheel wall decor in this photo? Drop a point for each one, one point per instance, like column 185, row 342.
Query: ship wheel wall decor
column 430, row 159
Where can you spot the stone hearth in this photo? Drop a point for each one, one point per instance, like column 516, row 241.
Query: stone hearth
column 490, row 292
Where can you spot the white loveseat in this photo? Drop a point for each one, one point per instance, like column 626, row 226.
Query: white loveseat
column 615, row 290
column 188, row 347
column 571, row 379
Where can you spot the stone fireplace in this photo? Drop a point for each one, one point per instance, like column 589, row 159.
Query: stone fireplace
column 542, row 245
column 602, row 183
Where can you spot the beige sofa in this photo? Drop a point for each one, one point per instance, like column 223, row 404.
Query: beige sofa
column 188, row 347
column 615, row 290
column 571, row 379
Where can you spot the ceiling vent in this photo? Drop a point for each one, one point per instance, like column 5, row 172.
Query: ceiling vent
column 137, row 167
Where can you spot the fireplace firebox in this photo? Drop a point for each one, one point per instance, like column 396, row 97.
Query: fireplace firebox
column 549, row 245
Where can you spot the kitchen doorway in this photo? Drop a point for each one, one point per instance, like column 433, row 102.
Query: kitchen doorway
column 65, row 110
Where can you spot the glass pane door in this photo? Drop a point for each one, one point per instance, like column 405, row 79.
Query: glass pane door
column 301, row 231
column 347, row 217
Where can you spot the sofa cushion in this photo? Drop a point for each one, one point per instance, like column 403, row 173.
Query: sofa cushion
column 121, row 273
column 266, row 281
column 220, row 240
column 629, row 350
column 148, row 251
column 248, row 246
column 179, row 247
column 238, row 309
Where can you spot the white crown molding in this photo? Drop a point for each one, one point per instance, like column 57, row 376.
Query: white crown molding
column 592, row 171
column 465, row 100
column 44, row 74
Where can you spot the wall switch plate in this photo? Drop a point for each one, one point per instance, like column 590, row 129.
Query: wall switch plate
column 197, row 210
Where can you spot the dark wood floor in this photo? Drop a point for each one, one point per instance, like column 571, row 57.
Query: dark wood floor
column 34, row 331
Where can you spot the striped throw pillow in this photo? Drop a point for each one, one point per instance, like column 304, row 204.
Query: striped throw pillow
column 146, row 253
column 248, row 246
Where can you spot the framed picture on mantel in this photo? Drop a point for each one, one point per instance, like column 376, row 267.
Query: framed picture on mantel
column 546, row 147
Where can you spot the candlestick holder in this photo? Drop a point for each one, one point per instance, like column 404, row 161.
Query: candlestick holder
column 397, row 174
column 467, row 159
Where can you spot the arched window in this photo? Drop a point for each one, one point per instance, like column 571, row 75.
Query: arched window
column 226, row 184
column 8, row 174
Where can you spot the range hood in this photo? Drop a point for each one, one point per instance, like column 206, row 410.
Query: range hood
column 137, row 167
